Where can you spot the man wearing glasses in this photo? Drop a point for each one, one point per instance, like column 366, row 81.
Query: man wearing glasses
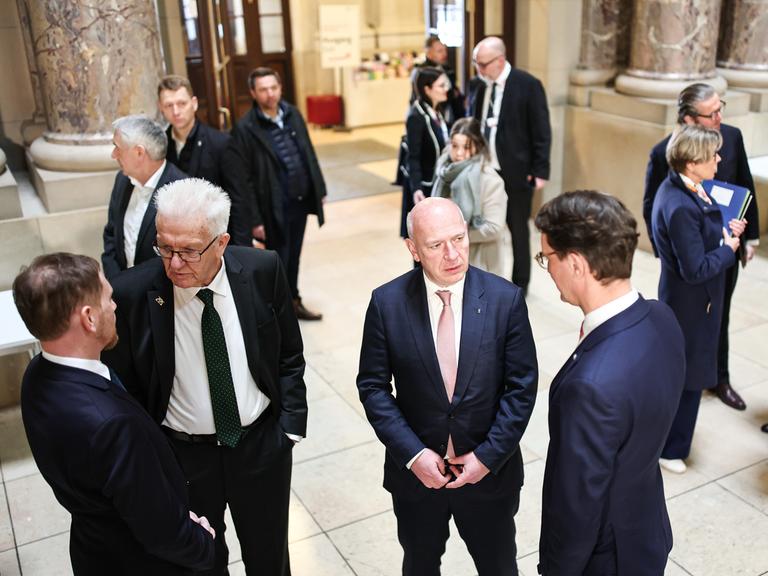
column 210, row 345
column 511, row 105
column 700, row 104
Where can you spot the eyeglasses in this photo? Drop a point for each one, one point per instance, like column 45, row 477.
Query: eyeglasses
column 542, row 259
column 189, row 256
column 482, row 65
column 718, row 112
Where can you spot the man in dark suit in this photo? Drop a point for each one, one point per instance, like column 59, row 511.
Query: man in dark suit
column 140, row 145
column 284, row 181
column 612, row 403
column 453, row 430
column 700, row 104
column 436, row 56
column 210, row 345
column 512, row 108
column 104, row 457
column 201, row 151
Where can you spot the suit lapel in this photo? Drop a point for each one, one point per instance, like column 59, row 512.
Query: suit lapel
column 418, row 318
column 244, row 297
column 473, row 315
column 258, row 134
column 160, row 304
column 125, row 198
column 198, row 142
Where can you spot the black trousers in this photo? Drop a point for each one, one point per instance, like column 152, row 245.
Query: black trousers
column 731, row 275
column 678, row 445
column 486, row 524
column 519, row 202
column 292, row 238
column 254, row 478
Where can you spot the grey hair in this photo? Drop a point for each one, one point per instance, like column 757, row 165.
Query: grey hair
column 195, row 198
column 690, row 97
column 140, row 130
column 692, row 143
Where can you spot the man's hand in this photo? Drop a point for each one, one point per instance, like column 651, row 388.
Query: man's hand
column 750, row 252
column 259, row 233
column 418, row 196
column 203, row 521
column 538, row 183
column 430, row 469
column 467, row 469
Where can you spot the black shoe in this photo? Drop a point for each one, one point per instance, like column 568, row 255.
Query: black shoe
column 729, row 396
column 302, row 313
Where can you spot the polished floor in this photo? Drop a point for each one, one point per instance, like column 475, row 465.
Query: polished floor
column 341, row 518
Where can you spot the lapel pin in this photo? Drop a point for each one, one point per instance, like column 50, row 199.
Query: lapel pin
column 478, row 310
column 199, row 142
column 159, row 300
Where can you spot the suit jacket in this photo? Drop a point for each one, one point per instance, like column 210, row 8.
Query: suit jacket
column 523, row 135
column 144, row 357
column 114, row 471
column 733, row 168
column 495, row 384
column 205, row 156
column 252, row 145
column 113, row 258
column 688, row 234
column 425, row 143
column 610, row 409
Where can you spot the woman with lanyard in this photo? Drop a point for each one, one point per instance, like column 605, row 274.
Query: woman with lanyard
column 695, row 251
column 426, row 133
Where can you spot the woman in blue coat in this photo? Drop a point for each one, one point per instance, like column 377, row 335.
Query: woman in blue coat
column 695, row 250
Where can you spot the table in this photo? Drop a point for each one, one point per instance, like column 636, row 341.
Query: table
column 14, row 336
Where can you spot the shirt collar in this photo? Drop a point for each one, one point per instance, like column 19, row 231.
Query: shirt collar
column 219, row 285
column 94, row 366
column 277, row 119
column 151, row 183
column 457, row 289
column 689, row 183
column 608, row 311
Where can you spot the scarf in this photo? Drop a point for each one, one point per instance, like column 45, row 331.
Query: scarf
column 459, row 181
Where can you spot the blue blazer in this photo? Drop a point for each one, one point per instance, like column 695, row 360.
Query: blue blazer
column 610, row 409
column 733, row 168
column 688, row 235
column 112, row 468
column 495, row 385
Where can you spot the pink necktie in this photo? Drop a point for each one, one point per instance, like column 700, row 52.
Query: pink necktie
column 446, row 350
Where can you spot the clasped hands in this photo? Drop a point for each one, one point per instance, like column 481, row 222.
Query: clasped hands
column 431, row 470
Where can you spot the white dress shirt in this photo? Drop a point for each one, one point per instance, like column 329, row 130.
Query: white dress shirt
column 435, row 306
column 500, row 82
column 94, row 366
column 134, row 214
column 189, row 407
column 608, row 311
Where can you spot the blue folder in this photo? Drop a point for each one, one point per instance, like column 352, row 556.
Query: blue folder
column 731, row 199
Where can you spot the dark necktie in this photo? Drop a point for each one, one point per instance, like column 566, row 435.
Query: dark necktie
column 489, row 114
column 223, row 399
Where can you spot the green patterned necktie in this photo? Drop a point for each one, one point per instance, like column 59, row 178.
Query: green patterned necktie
column 223, row 399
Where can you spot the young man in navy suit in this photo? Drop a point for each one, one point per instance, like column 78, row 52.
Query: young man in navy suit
column 106, row 460
column 612, row 403
column 458, row 344
column 700, row 104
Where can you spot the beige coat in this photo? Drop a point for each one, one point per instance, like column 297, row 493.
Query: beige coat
column 490, row 245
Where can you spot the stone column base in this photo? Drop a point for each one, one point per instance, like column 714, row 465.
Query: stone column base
column 745, row 78
column 64, row 191
column 662, row 88
column 10, row 204
column 591, row 77
column 72, row 157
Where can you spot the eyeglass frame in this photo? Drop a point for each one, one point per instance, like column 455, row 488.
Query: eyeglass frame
column 711, row 115
column 484, row 65
column 181, row 253
column 542, row 259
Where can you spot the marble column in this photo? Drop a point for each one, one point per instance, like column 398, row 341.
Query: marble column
column 96, row 61
column 604, row 41
column 674, row 43
column 742, row 55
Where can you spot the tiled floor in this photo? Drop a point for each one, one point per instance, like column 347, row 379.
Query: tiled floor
column 341, row 518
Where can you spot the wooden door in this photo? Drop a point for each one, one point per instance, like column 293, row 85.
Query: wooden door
column 224, row 41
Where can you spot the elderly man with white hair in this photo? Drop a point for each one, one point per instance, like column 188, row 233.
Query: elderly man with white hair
column 210, row 345
column 140, row 145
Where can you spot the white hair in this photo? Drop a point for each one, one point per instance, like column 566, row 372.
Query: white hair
column 140, row 130
column 195, row 198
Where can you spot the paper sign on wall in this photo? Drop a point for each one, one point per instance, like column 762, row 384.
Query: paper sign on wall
column 339, row 35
